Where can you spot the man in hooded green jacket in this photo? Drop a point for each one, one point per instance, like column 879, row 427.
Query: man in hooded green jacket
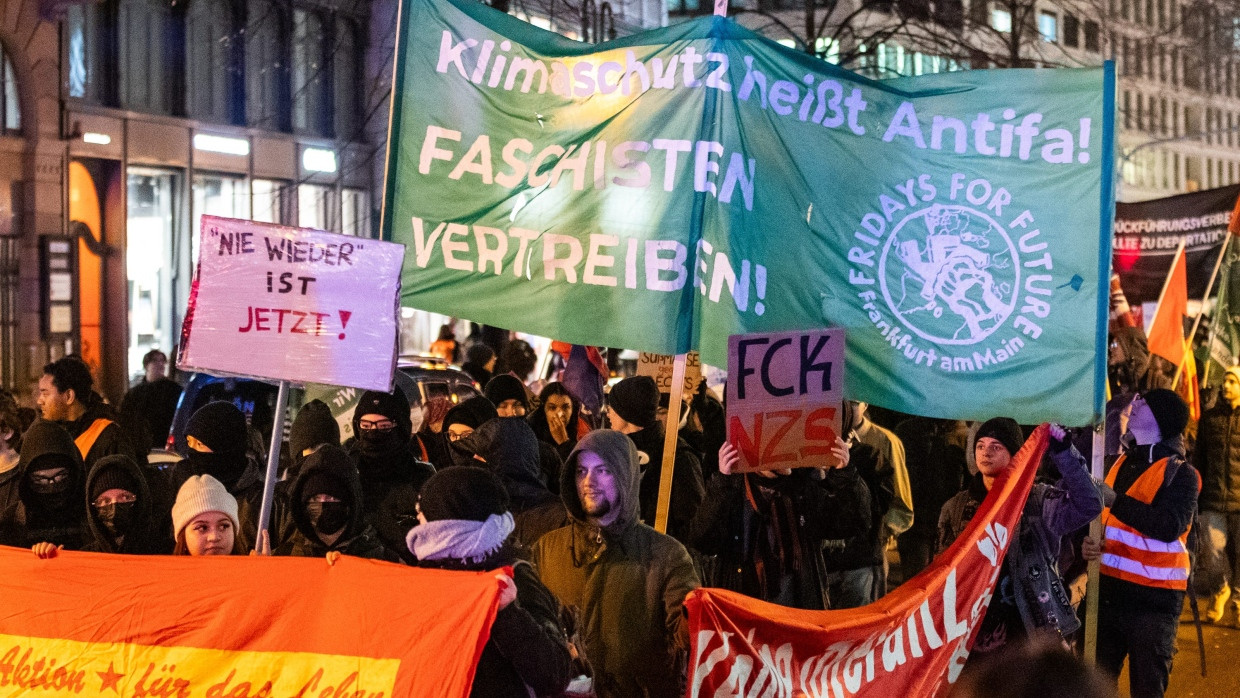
column 628, row 581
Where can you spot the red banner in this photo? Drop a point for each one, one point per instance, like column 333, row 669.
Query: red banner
column 236, row 627
column 912, row 642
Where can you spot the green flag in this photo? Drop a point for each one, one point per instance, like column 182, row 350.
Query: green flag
column 666, row 190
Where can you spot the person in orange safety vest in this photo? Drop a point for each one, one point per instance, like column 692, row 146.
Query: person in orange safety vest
column 1150, row 496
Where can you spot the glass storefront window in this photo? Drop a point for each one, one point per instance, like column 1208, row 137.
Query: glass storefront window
column 314, row 206
column 268, row 200
column 151, row 257
column 217, row 195
column 355, row 212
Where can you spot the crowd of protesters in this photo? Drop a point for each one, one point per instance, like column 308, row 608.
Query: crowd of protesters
column 567, row 500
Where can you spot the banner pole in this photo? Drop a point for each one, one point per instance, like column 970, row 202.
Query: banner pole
column 1218, row 263
column 671, row 433
column 1095, row 532
column 273, row 463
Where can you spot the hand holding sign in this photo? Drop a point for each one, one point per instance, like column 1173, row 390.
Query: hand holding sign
column 785, row 391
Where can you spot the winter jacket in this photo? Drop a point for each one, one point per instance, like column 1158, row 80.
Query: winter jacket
column 937, row 469
column 111, row 441
column 10, row 502
column 358, row 539
column 1164, row 519
column 1032, row 560
column 628, row 581
column 687, row 486
column 1217, row 458
column 148, row 409
column 891, row 477
column 511, row 451
column 527, row 653
column 60, row 518
column 390, row 486
column 864, row 495
column 769, row 533
column 150, row 533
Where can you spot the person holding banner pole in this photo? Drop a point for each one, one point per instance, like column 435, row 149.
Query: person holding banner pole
column 1030, row 597
column 217, row 436
column 633, row 408
column 1150, row 496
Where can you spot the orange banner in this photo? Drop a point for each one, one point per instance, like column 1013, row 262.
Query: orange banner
column 912, row 642
column 87, row 624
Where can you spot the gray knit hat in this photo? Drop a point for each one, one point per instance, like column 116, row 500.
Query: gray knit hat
column 200, row 494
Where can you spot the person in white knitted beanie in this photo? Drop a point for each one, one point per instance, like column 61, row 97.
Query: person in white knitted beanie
column 204, row 519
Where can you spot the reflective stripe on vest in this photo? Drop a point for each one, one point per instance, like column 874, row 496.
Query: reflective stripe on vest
column 86, row 440
column 1137, row 558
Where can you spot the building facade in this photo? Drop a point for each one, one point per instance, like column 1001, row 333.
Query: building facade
column 126, row 121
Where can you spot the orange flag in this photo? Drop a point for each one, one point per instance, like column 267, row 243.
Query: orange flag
column 91, row 624
column 1166, row 337
column 1188, row 387
column 1233, row 226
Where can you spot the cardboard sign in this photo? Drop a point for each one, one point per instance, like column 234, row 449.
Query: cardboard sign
column 785, row 390
column 659, row 367
column 293, row 304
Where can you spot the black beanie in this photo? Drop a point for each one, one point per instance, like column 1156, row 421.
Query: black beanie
column 1005, row 430
column 1169, row 411
column 506, row 387
column 313, row 426
column 221, row 427
column 463, row 493
column 112, row 476
column 393, row 405
column 473, row 413
column 320, row 482
column 636, row 400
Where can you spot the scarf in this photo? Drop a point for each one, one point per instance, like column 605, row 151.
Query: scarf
column 460, row 539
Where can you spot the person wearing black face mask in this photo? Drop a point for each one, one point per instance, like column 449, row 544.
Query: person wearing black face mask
column 391, row 475
column 459, row 423
column 120, row 514
column 329, row 517
column 51, row 490
column 217, row 436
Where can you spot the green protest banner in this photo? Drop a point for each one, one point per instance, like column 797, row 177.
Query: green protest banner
column 669, row 189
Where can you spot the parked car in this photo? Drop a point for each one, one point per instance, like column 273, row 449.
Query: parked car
column 419, row 378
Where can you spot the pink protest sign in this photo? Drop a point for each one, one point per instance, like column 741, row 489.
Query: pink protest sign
column 293, row 304
column 785, row 390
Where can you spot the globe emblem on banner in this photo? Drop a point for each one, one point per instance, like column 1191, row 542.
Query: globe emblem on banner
column 950, row 274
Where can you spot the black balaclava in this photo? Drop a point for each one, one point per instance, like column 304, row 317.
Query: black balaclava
column 117, row 518
column 221, row 427
column 382, row 444
column 326, row 517
column 313, row 427
column 47, row 446
column 473, row 413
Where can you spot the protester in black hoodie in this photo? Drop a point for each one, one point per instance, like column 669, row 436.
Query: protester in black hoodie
column 51, row 489
column 121, row 513
column 313, row 426
column 465, row 525
column 459, row 423
column 633, row 408
column 326, row 508
column 511, row 399
column 507, row 447
column 390, row 474
column 217, row 436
